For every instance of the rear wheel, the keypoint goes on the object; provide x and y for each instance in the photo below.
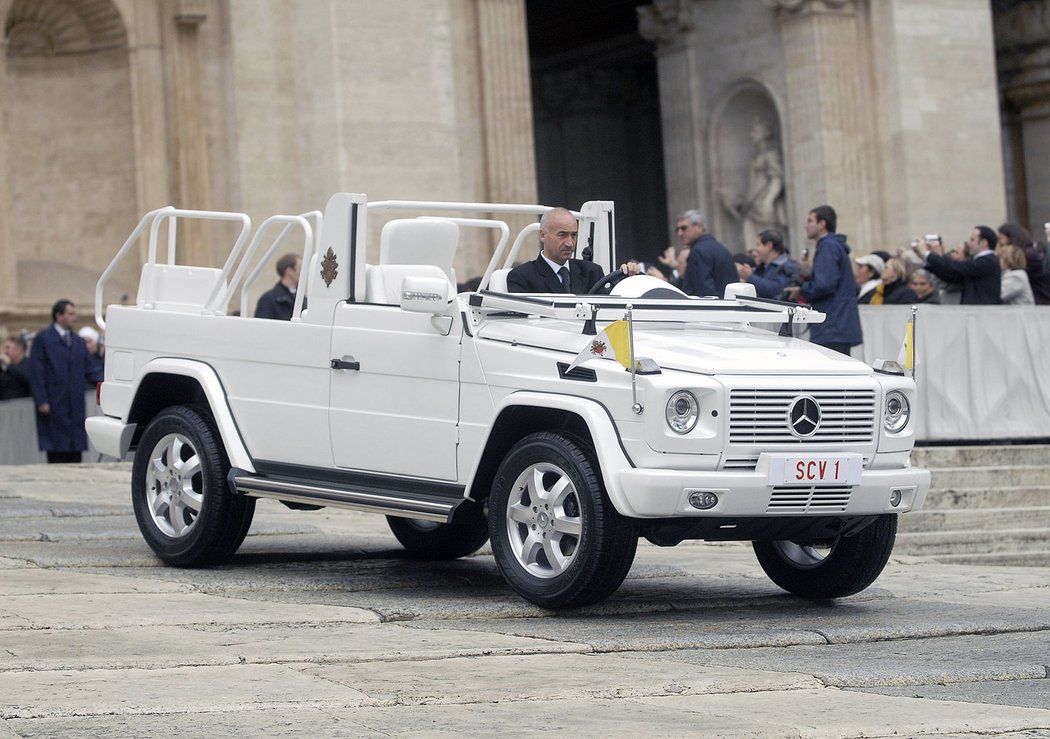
(555, 536)
(832, 568)
(467, 532)
(183, 506)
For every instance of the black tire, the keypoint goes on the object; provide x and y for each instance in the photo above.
(555, 536)
(185, 510)
(434, 541)
(833, 569)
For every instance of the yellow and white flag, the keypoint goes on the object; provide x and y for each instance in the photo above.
(906, 355)
(612, 343)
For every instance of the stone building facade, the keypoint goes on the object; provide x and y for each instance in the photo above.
(909, 116)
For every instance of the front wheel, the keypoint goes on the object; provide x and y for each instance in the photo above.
(555, 536)
(835, 568)
(184, 509)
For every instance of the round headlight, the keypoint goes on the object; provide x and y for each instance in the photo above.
(682, 411)
(898, 411)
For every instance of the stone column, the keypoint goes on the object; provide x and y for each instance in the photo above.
(148, 108)
(192, 177)
(506, 101)
(506, 97)
(670, 24)
(8, 263)
(829, 128)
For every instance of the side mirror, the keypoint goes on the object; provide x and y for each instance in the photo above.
(425, 295)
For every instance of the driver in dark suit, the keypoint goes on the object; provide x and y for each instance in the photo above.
(554, 270)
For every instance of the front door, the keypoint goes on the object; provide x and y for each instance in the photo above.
(395, 402)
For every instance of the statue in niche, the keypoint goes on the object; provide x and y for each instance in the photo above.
(762, 205)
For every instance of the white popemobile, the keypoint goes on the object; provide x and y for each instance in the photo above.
(460, 419)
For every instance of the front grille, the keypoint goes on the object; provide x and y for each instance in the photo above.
(761, 416)
(808, 500)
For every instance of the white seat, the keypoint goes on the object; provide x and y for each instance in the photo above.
(176, 287)
(420, 241)
(498, 281)
(383, 281)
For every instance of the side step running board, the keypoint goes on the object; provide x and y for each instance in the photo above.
(427, 508)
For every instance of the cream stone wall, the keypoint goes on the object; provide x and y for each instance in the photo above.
(939, 132)
(264, 106)
(887, 109)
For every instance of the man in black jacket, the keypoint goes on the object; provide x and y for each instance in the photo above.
(14, 370)
(710, 266)
(279, 301)
(980, 276)
(554, 270)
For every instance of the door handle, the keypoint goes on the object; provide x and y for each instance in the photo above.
(346, 364)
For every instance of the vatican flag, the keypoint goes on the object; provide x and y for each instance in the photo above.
(906, 355)
(612, 343)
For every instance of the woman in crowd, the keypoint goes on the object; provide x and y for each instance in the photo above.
(894, 289)
(1015, 288)
(1035, 256)
(921, 283)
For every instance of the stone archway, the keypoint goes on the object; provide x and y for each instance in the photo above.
(69, 165)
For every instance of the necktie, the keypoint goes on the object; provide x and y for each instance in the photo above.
(65, 339)
(563, 275)
(880, 291)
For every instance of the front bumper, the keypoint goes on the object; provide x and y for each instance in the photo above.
(657, 493)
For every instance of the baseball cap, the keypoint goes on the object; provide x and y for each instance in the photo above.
(872, 260)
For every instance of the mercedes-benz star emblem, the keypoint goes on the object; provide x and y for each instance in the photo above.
(804, 416)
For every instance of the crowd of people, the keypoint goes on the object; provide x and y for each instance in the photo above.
(55, 367)
(990, 268)
(1005, 266)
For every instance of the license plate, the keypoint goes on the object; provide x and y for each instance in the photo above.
(815, 469)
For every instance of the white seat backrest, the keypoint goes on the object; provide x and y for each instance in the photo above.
(383, 281)
(176, 287)
(498, 281)
(420, 241)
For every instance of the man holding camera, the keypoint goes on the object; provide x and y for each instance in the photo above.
(774, 270)
(979, 277)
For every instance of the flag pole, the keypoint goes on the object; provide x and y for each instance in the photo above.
(635, 405)
(914, 340)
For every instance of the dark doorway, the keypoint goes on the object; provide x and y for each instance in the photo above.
(596, 107)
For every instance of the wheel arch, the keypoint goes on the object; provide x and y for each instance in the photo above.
(525, 413)
(167, 382)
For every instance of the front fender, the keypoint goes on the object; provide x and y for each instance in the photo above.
(611, 455)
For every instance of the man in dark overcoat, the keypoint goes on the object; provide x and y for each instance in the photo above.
(59, 366)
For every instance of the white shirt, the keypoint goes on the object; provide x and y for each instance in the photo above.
(554, 265)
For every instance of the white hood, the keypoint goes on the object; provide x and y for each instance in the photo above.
(712, 351)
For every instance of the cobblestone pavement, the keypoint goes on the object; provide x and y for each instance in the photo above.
(320, 626)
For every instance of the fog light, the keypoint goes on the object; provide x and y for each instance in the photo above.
(703, 500)
(895, 498)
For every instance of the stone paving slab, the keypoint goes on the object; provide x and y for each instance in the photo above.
(39, 581)
(969, 659)
(787, 623)
(545, 677)
(828, 713)
(102, 611)
(1030, 693)
(177, 690)
(164, 646)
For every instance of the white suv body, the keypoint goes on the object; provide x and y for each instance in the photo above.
(454, 415)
